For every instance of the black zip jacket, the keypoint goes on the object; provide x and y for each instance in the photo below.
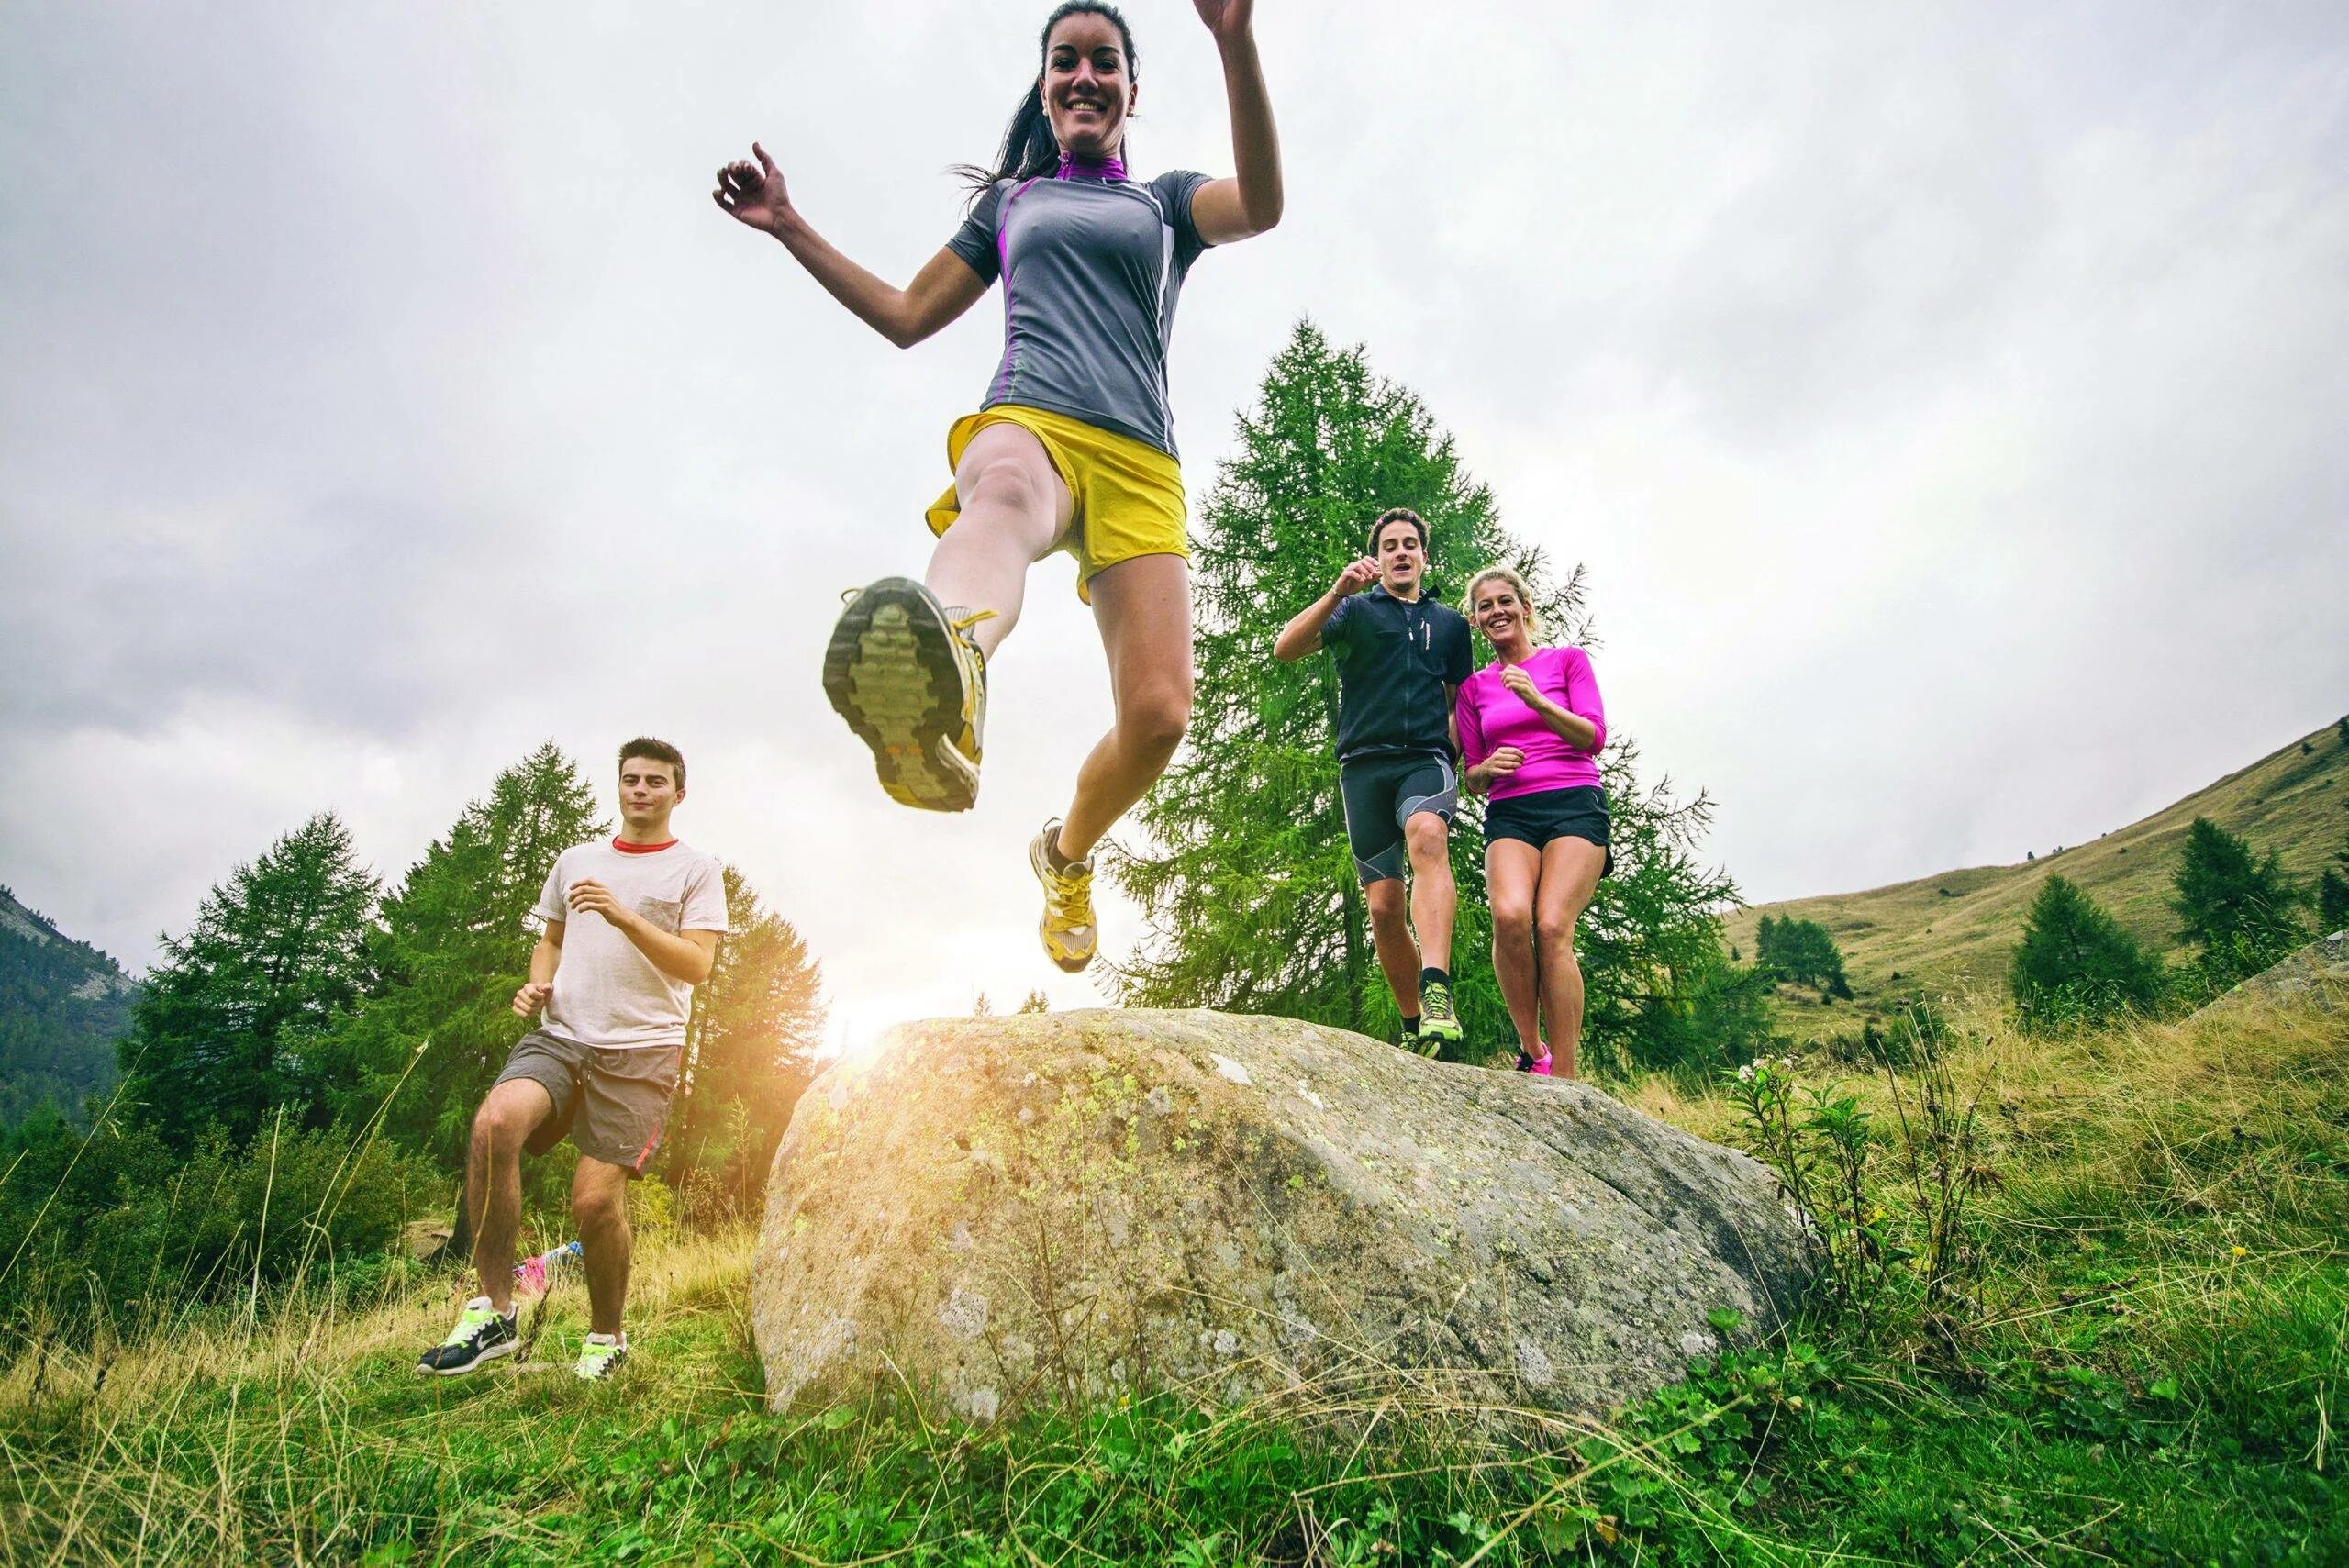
(1395, 662)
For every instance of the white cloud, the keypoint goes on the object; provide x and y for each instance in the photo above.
(1946, 403)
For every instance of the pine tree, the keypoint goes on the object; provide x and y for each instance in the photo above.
(232, 1023)
(2240, 911)
(1245, 876)
(1036, 1002)
(751, 1045)
(2332, 895)
(2076, 963)
(1801, 952)
(454, 945)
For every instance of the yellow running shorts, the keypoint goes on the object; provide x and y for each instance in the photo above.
(1128, 495)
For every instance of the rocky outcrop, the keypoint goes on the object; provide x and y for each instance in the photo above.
(988, 1212)
(2316, 974)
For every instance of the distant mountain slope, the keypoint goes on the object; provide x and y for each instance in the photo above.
(63, 1005)
(1957, 930)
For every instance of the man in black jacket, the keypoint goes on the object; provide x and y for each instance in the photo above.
(1401, 657)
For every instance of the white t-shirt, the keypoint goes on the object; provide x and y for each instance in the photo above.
(605, 992)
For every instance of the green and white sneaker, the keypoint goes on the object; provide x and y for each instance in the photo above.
(599, 1357)
(1439, 1025)
(912, 683)
(482, 1335)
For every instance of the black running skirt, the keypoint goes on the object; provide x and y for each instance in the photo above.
(1536, 819)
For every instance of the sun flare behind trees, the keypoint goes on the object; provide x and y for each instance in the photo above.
(1242, 866)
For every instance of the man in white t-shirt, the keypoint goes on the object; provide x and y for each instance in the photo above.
(631, 927)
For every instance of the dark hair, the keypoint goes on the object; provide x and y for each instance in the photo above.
(651, 750)
(1029, 148)
(1399, 514)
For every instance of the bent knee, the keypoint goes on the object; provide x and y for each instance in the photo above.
(597, 1210)
(1386, 898)
(499, 1126)
(1008, 483)
(1158, 720)
(1426, 835)
(1514, 921)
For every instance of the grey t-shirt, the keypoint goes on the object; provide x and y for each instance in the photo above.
(605, 992)
(1091, 269)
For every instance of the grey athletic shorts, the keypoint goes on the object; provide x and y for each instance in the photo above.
(614, 1103)
(1381, 793)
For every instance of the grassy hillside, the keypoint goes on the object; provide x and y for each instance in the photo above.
(1955, 931)
(2145, 1360)
(62, 1006)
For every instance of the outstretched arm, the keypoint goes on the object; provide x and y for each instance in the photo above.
(753, 192)
(1249, 203)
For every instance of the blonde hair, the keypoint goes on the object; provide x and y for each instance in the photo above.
(1507, 574)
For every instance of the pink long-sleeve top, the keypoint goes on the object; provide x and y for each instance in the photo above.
(1491, 716)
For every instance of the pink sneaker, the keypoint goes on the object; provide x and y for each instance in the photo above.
(1540, 1068)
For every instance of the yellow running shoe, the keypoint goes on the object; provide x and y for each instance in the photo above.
(1070, 936)
(913, 685)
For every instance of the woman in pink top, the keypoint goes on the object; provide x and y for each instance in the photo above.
(1530, 730)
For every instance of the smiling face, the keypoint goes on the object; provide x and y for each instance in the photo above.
(1402, 559)
(1087, 86)
(649, 792)
(1498, 611)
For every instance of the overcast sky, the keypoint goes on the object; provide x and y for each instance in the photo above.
(1949, 404)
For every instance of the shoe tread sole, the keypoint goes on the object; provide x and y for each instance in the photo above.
(890, 672)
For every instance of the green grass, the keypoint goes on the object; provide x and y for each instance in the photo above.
(1955, 932)
(2148, 1363)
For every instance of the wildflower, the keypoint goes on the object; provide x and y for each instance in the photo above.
(1746, 1074)
(2238, 1252)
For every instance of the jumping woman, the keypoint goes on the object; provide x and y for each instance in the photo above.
(1072, 447)
(1530, 730)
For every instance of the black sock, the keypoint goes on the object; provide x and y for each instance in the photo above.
(1059, 862)
(1433, 977)
(1411, 1023)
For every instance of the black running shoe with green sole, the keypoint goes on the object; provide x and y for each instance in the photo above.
(482, 1334)
(913, 686)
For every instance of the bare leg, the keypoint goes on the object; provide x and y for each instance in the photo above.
(1511, 870)
(1390, 932)
(599, 1207)
(1434, 899)
(1015, 510)
(1570, 869)
(510, 1113)
(1143, 608)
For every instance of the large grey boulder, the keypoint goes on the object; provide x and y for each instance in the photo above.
(988, 1212)
(2317, 975)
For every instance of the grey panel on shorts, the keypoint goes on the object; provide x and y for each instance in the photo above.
(1380, 794)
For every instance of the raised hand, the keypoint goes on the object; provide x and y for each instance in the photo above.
(1517, 680)
(532, 996)
(753, 192)
(1358, 575)
(589, 896)
(1227, 19)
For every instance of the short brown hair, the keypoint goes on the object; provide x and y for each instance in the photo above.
(652, 751)
(1399, 514)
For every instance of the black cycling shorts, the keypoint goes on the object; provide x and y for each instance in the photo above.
(1536, 819)
(1381, 793)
